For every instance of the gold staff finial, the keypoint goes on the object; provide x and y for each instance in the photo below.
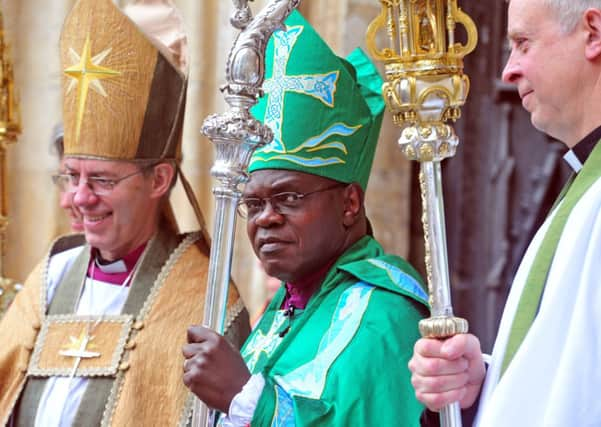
(425, 88)
(425, 85)
(10, 128)
(10, 120)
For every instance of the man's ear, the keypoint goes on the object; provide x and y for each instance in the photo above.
(162, 177)
(353, 203)
(592, 25)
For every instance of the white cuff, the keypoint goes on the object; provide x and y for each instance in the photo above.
(243, 404)
(487, 358)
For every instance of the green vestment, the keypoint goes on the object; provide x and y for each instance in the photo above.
(343, 361)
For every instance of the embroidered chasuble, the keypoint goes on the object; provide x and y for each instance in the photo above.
(552, 378)
(342, 360)
(132, 360)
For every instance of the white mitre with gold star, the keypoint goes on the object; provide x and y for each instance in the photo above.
(124, 92)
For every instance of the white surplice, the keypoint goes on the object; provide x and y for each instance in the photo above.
(554, 378)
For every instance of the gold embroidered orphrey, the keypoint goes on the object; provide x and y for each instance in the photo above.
(80, 357)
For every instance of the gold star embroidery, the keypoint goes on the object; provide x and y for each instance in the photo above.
(86, 73)
(79, 346)
(79, 349)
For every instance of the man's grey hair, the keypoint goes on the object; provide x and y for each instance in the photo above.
(569, 12)
(56, 142)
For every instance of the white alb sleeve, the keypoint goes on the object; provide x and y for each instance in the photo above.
(244, 403)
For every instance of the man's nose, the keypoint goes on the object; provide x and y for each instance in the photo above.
(268, 215)
(511, 72)
(83, 195)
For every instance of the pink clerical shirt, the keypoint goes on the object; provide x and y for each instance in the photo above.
(115, 272)
(299, 293)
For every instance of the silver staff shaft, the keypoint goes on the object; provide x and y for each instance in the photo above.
(442, 324)
(236, 134)
(226, 201)
(435, 239)
(221, 263)
(450, 415)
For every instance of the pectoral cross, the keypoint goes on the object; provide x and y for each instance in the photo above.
(78, 349)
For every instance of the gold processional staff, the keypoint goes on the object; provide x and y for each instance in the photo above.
(425, 88)
(10, 128)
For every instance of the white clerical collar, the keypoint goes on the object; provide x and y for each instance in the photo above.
(573, 160)
(113, 267)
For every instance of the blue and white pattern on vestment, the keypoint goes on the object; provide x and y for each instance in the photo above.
(309, 380)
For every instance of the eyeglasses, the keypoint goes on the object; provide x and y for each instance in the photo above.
(69, 182)
(285, 203)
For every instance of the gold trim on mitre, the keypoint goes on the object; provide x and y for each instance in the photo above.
(123, 98)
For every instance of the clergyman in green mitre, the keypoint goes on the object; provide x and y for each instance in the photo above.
(333, 345)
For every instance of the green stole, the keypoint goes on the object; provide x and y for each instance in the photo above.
(537, 277)
(65, 299)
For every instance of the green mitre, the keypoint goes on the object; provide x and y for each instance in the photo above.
(325, 111)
